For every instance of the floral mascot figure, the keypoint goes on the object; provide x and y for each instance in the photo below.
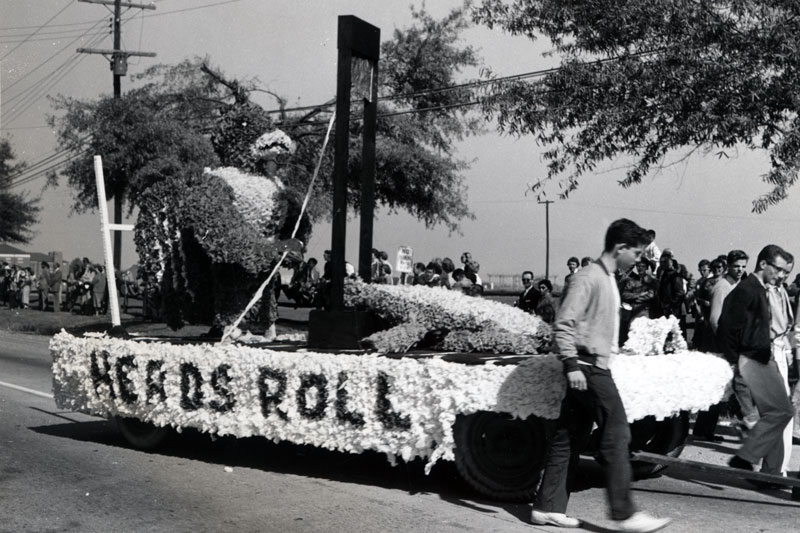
(211, 240)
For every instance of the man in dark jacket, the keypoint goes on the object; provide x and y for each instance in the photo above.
(529, 298)
(754, 330)
(671, 291)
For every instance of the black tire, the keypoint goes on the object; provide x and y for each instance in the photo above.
(664, 437)
(141, 435)
(499, 456)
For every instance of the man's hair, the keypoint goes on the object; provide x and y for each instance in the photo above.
(651, 234)
(574, 259)
(458, 273)
(586, 261)
(448, 265)
(627, 232)
(45, 264)
(527, 272)
(736, 255)
(435, 267)
(546, 283)
(703, 262)
(312, 259)
(384, 256)
(771, 252)
(717, 263)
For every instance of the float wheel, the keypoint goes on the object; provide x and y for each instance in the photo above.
(141, 435)
(499, 456)
(665, 437)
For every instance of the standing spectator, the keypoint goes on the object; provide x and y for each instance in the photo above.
(98, 289)
(529, 298)
(326, 268)
(697, 304)
(44, 287)
(586, 261)
(56, 283)
(737, 263)
(13, 288)
(585, 333)
(25, 280)
(753, 330)
(706, 424)
(573, 264)
(546, 306)
(671, 291)
(637, 291)
(651, 251)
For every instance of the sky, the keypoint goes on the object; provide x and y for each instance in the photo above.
(699, 207)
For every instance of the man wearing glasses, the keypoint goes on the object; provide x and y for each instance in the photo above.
(754, 330)
(530, 296)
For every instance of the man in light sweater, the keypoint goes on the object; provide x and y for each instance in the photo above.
(586, 333)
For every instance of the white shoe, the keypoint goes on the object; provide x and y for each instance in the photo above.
(642, 523)
(540, 518)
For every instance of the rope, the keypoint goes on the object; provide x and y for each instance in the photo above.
(260, 291)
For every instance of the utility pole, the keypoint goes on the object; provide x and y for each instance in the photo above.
(119, 67)
(547, 236)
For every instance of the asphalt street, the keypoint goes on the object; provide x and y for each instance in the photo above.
(69, 472)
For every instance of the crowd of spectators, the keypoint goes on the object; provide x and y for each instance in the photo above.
(79, 287)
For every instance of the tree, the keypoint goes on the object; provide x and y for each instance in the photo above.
(640, 79)
(19, 212)
(139, 142)
(195, 106)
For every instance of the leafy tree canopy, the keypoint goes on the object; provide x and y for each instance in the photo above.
(643, 78)
(193, 113)
(18, 212)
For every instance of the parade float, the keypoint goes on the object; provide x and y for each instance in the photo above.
(410, 372)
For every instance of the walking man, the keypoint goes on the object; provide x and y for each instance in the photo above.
(586, 335)
(754, 327)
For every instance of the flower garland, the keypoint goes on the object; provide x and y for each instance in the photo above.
(416, 310)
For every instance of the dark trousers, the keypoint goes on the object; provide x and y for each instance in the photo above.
(601, 404)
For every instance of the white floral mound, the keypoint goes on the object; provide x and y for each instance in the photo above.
(401, 407)
(672, 378)
(471, 324)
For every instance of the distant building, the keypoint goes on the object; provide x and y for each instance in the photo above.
(14, 256)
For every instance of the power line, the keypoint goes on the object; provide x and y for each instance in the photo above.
(69, 3)
(40, 65)
(52, 79)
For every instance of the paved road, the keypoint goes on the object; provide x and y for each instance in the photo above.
(69, 472)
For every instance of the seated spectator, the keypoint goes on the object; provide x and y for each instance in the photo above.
(433, 273)
(461, 282)
(419, 274)
(384, 275)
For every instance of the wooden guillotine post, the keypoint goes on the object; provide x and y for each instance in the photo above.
(359, 51)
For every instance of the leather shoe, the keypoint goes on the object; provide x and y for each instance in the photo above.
(642, 523)
(540, 518)
(741, 464)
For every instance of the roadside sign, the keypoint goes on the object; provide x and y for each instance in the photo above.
(405, 260)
